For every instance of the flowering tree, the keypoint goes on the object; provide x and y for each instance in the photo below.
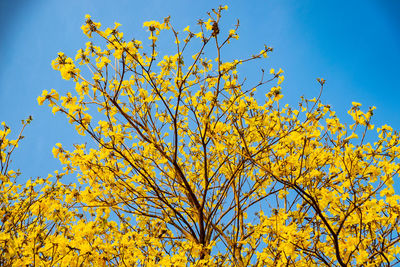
(183, 165)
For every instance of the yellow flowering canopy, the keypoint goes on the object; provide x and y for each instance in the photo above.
(184, 165)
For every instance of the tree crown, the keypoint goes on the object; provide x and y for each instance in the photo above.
(184, 164)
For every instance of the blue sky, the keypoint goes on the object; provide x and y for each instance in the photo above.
(354, 45)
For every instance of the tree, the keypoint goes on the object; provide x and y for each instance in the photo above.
(182, 165)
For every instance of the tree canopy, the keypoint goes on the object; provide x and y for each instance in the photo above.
(186, 163)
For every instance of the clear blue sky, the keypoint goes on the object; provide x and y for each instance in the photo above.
(354, 45)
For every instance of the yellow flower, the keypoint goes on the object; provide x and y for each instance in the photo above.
(208, 24)
(280, 79)
(48, 96)
(41, 99)
(352, 136)
(199, 34)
